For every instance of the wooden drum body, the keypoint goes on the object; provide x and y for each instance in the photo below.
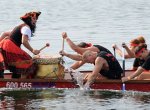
(51, 67)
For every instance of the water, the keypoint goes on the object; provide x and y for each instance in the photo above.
(73, 99)
(97, 21)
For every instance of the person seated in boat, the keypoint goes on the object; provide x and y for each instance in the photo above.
(130, 51)
(81, 48)
(144, 54)
(137, 61)
(105, 64)
(14, 58)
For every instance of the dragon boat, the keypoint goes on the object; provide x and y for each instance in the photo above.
(51, 75)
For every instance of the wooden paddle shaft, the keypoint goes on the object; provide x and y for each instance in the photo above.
(63, 44)
(123, 60)
(47, 45)
(114, 52)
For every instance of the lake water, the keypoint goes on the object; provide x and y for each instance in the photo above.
(73, 99)
(101, 22)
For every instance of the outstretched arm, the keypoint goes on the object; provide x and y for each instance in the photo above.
(99, 62)
(72, 56)
(77, 64)
(72, 45)
(132, 76)
(119, 51)
(130, 53)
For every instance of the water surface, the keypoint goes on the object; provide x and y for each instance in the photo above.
(73, 99)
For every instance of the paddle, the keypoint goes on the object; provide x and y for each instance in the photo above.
(63, 44)
(123, 58)
(70, 70)
(123, 65)
(114, 52)
(63, 49)
(47, 45)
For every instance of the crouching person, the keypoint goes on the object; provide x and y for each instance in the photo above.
(105, 64)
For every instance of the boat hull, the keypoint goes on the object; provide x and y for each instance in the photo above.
(133, 85)
(140, 85)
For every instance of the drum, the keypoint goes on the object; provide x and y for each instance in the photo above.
(50, 67)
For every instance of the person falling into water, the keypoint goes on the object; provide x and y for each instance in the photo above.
(11, 53)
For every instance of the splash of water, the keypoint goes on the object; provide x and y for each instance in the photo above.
(79, 77)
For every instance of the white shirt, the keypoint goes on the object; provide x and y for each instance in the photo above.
(25, 30)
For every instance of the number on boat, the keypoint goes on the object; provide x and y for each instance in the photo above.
(18, 85)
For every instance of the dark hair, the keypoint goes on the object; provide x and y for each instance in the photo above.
(140, 47)
(28, 21)
(135, 41)
(84, 44)
(141, 39)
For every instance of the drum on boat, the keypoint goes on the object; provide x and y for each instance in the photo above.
(50, 67)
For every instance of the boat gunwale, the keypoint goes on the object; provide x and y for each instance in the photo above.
(70, 81)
